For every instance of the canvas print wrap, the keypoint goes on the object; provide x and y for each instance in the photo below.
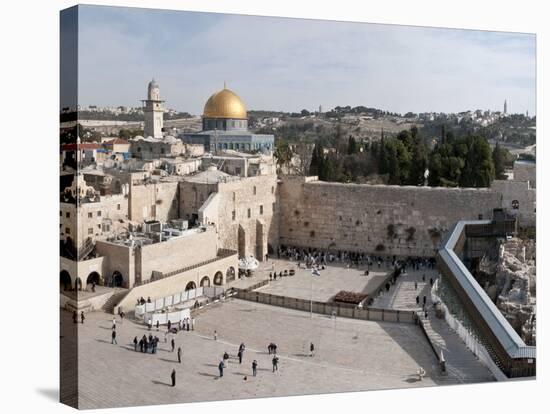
(262, 206)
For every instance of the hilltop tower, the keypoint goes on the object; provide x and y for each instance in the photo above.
(153, 110)
(505, 107)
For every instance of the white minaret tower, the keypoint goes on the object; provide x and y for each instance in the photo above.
(153, 110)
(505, 107)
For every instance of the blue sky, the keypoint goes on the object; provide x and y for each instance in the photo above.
(290, 64)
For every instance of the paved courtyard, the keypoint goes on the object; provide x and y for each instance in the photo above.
(351, 355)
(334, 278)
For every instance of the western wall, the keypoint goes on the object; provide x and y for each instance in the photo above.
(380, 219)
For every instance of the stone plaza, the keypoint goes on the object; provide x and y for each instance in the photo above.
(350, 355)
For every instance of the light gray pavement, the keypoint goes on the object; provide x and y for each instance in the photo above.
(351, 355)
(334, 278)
(461, 363)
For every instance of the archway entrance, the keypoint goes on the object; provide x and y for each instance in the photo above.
(65, 280)
(205, 281)
(230, 274)
(190, 286)
(93, 278)
(218, 278)
(117, 279)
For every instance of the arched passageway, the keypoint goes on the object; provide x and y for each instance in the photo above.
(205, 281)
(230, 274)
(190, 286)
(65, 280)
(117, 279)
(93, 278)
(218, 278)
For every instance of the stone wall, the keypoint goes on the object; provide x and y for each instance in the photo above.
(379, 219)
(519, 199)
(117, 258)
(247, 219)
(154, 201)
(177, 283)
(177, 253)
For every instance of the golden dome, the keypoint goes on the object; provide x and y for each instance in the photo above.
(225, 104)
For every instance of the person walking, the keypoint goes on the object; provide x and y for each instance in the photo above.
(121, 316)
(415, 285)
(75, 317)
(173, 342)
(431, 281)
(275, 362)
(215, 335)
(82, 317)
(179, 354)
(173, 377)
(114, 323)
(311, 349)
(240, 355)
(135, 343)
(254, 368)
(113, 338)
(424, 300)
(169, 325)
(418, 300)
(220, 368)
(158, 325)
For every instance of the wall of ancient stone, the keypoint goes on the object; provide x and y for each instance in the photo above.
(388, 220)
(177, 253)
(246, 221)
(519, 199)
(154, 201)
(118, 258)
(177, 283)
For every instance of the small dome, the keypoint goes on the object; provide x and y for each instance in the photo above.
(225, 104)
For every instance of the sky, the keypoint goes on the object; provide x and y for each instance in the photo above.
(287, 64)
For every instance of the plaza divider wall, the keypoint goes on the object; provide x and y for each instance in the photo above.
(326, 308)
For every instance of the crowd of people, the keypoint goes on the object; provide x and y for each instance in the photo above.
(312, 256)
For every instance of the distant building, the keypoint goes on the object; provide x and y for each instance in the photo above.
(153, 110)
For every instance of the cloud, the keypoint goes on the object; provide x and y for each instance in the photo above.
(290, 64)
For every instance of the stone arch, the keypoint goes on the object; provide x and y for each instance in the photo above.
(218, 278)
(230, 274)
(205, 281)
(93, 278)
(65, 280)
(78, 284)
(117, 280)
(190, 286)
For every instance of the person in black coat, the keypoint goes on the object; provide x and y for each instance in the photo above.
(173, 377)
(179, 354)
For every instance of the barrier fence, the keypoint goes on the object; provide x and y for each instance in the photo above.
(178, 298)
(326, 308)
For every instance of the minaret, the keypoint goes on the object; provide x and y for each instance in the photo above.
(505, 107)
(153, 110)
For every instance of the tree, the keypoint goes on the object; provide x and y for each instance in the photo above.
(352, 145)
(303, 155)
(283, 154)
(499, 161)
